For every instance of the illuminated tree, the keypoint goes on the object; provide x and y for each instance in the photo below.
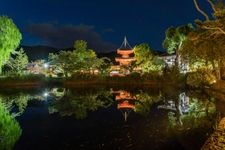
(174, 39)
(10, 38)
(105, 66)
(86, 58)
(63, 62)
(81, 59)
(146, 60)
(206, 43)
(19, 62)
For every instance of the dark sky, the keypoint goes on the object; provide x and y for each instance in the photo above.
(103, 23)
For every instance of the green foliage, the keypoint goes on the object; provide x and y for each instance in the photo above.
(10, 38)
(175, 37)
(18, 63)
(10, 130)
(104, 66)
(172, 74)
(17, 78)
(80, 59)
(199, 64)
(146, 60)
(63, 62)
(207, 41)
(143, 53)
(80, 45)
(200, 78)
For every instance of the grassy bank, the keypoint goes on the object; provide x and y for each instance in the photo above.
(157, 81)
(29, 81)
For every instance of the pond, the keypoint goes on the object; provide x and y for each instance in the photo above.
(106, 118)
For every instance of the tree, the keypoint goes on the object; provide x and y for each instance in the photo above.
(19, 62)
(86, 58)
(81, 59)
(10, 38)
(63, 62)
(145, 59)
(105, 66)
(206, 43)
(175, 38)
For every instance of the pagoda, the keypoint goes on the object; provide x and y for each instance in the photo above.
(125, 55)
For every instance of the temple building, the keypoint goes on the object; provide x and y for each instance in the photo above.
(124, 59)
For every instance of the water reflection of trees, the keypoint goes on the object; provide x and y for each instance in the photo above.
(10, 130)
(145, 102)
(192, 110)
(12, 105)
(78, 103)
(17, 102)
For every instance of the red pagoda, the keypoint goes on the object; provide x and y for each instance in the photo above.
(125, 57)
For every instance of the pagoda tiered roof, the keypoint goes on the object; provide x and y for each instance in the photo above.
(125, 104)
(125, 52)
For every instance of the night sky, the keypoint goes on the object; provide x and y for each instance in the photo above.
(102, 23)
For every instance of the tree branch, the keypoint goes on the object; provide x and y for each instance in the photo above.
(212, 5)
(201, 11)
(214, 28)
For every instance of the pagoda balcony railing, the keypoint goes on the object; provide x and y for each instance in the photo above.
(120, 59)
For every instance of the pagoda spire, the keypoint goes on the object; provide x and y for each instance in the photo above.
(125, 41)
(125, 44)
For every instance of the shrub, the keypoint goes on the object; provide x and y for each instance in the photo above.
(200, 78)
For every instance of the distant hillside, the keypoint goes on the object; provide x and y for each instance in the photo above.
(38, 52)
(41, 52)
(110, 55)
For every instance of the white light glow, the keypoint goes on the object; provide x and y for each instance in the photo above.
(46, 65)
(45, 94)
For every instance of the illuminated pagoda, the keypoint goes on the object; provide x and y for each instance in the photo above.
(125, 56)
(125, 102)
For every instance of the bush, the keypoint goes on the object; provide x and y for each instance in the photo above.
(151, 76)
(200, 78)
(134, 75)
(83, 76)
(22, 78)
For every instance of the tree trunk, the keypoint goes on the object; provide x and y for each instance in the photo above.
(220, 68)
(215, 69)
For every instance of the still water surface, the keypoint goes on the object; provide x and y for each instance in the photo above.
(106, 118)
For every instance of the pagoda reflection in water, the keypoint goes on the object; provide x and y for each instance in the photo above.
(125, 102)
